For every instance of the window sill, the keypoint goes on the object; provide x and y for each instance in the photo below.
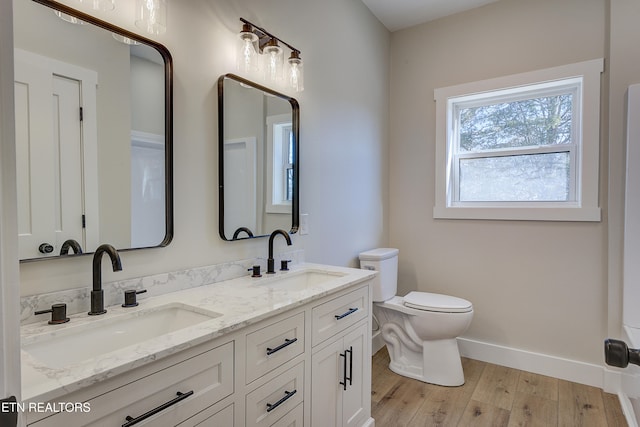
(541, 213)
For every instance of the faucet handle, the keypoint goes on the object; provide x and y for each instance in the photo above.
(284, 264)
(130, 297)
(58, 314)
(255, 271)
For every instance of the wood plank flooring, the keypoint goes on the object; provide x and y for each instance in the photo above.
(492, 396)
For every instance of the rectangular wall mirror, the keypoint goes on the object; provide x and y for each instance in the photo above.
(93, 133)
(258, 159)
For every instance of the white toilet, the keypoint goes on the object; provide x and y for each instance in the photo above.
(420, 329)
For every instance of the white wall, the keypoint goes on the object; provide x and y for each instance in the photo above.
(535, 286)
(344, 132)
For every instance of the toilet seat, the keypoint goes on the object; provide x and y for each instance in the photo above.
(437, 302)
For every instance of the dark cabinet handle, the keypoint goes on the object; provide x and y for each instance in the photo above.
(346, 377)
(287, 396)
(345, 314)
(350, 377)
(181, 396)
(343, 383)
(287, 342)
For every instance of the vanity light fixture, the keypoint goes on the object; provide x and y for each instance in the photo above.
(259, 53)
(151, 16)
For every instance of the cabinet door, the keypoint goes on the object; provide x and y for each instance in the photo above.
(327, 370)
(355, 398)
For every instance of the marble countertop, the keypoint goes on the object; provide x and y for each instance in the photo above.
(241, 302)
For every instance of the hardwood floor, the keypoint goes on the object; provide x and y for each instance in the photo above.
(492, 396)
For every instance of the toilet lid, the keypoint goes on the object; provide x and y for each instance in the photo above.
(436, 302)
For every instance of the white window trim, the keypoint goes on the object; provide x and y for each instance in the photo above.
(584, 208)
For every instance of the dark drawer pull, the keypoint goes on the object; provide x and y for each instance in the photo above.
(350, 311)
(287, 396)
(181, 396)
(286, 342)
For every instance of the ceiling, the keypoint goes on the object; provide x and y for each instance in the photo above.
(399, 14)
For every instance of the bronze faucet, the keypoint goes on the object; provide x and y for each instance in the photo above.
(97, 294)
(270, 261)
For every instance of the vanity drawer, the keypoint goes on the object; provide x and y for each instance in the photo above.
(273, 345)
(267, 404)
(201, 380)
(338, 314)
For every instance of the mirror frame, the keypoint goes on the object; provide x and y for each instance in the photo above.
(295, 116)
(168, 117)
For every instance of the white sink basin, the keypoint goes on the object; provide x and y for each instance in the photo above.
(74, 345)
(301, 280)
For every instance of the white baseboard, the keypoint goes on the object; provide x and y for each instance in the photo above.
(543, 364)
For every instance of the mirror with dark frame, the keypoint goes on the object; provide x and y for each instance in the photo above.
(93, 134)
(258, 159)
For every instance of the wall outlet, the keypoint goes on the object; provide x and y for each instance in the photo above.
(304, 224)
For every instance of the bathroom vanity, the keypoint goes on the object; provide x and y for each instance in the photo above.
(286, 349)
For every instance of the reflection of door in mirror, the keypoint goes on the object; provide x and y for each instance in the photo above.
(55, 154)
(240, 176)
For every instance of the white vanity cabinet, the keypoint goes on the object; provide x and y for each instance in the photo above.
(306, 366)
(341, 364)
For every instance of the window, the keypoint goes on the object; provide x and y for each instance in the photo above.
(522, 147)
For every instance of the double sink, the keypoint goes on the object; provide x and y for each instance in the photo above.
(71, 345)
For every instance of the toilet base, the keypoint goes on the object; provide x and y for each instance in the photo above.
(438, 363)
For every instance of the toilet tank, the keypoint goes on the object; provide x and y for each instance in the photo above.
(385, 262)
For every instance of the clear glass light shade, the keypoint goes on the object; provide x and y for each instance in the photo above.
(295, 72)
(151, 16)
(273, 60)
(246, 55)
(104, 5)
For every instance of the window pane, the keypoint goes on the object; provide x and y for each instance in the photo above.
(525, 123)
(533, 177)
(289, 185)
